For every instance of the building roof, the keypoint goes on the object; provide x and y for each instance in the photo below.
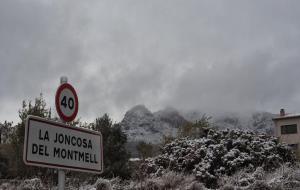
(286, 116)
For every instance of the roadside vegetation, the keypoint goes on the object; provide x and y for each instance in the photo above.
(116, 160)
(199, 157)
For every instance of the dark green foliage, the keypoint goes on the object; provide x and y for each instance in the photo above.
(196, 129)
(37, 109)
(3, 166)
(5, 132)
(167, 139)
(145, 149)
(17, 139)
(115, 155)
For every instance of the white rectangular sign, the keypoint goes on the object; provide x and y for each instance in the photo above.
(56, 145)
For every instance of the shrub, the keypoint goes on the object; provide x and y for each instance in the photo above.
(102, 184)
(3, 166)
(31, 184)
(220, 153)
(259, 185)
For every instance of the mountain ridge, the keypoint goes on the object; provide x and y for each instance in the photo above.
(140, 124)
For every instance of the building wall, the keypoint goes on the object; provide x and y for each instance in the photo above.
(288, 138)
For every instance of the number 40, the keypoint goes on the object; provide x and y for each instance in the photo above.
(69, 103)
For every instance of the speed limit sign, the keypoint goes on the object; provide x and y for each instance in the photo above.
(66, 102)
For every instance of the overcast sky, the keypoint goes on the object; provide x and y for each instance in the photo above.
(212, 56)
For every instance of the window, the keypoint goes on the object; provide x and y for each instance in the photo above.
(288, 129)
(294, 146)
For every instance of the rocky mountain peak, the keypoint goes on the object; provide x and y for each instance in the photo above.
(140, 124)
(138, 111)
(172, 116)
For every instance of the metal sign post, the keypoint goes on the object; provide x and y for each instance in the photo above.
(61, 173)
(61, 179)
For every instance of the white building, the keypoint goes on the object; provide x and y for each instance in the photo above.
(287, 129)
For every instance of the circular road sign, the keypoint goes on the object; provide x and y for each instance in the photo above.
(66, 102)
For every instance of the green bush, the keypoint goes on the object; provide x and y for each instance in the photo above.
(116, 157)
(3, 166)
(145, 149)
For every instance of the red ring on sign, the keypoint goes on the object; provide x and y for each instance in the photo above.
(60, 113)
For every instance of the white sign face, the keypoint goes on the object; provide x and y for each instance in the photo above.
(66, 102)
(55, 145)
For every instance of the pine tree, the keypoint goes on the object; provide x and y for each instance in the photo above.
(145, 149)
(116, 157)
(5, 132)
(17, 139)
(196, 129)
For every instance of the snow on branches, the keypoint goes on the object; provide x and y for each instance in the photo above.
(218, 154)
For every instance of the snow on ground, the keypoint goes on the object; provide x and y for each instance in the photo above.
(228, 159)
(284, 178)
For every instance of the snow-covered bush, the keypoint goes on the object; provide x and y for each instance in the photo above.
(259, 185)
(118, 184)
(31, 184)
(220, 153)
(102, 184)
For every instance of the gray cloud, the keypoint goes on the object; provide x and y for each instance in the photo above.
(212, 56)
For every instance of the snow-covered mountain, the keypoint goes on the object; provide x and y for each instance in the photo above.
(140, 124)
(259, 122)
